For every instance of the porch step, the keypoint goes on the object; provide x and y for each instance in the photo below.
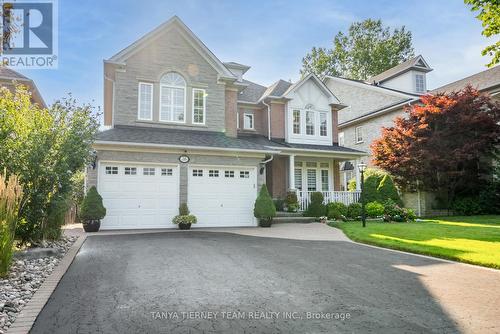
(295, 219)
(288, 214)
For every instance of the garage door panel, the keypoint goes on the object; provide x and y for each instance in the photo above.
(139, 201)
(222, 201)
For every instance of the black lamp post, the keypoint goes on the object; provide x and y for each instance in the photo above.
(362, 168)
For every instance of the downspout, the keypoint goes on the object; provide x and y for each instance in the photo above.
(263, 163)
(268, 120)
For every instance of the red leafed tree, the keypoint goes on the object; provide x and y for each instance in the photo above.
(446, 143)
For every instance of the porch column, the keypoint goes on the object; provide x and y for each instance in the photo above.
(358, 175)
(291, 172)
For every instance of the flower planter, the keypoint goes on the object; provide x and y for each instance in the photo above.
(184, 226)
(92, 225)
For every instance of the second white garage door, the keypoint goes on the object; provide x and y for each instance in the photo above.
(222, 196)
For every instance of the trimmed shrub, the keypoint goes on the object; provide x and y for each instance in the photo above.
(264, 208)
(336, 210)
(92, 208)
(489, 198)
(292, 202)
(316, 207)
(393, 212)
(10, 196)
(354, 210)
(467, 206)
(183, 209)
(279, 204)
(55, 218)
(374, 209)
(387, 190)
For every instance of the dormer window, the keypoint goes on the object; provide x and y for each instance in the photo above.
(419, 83)
(172, 98)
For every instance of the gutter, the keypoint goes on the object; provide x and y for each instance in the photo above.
(184, 147)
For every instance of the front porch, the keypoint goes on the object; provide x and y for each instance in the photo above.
(306, 173)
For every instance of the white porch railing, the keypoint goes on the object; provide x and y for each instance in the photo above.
(346, 197)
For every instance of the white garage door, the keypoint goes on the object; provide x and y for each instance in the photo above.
(138, 196)
(222, 196)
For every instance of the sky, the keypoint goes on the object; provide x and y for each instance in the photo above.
(270, 36)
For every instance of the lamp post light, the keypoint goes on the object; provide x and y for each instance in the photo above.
(362, 168)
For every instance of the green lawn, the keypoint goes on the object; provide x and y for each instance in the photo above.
(474, 239)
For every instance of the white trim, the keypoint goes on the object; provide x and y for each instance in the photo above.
(204, 106)
(118, 143)
(253, 121)
(356, 137)
(304, 152)
(162, 85)
(139, 101)
(322, 86)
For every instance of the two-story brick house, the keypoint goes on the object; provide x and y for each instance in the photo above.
(188, 128)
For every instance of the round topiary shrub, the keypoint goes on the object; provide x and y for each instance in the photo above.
(336, 210)
(316, 208)
(92, 207)
(374, 209)
(264, 209)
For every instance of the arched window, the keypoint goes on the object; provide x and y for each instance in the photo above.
(172, 98)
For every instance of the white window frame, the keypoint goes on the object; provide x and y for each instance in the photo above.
(293, 121)
(139, 96)
(253, 121)
(341, 139)
(312, 117)
(319, 166)
(356, 135)
(149, 171)
(204, 105)
(172, 87)
(323, 114)
(417, 76)
(237, 119)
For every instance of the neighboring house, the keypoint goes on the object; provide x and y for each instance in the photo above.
(10, 78)
(375, 103)
(188, 128)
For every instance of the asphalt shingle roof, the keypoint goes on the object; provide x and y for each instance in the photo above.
(481, 81)
(8, 73)
(252, 93)
(195, 138)
(278, 144)
(395, 70)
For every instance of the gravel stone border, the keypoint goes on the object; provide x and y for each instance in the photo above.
(31, 282)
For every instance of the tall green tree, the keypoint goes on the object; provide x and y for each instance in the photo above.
(45, 148)
(489, 14)
(366, 50)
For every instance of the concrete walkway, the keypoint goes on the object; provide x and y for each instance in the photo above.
(294, 231)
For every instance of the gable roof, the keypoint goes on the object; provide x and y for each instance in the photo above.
(366, 85)
(197, 44)
(416, 63)
(277, 89)
(11, 76)
(311, 76)
(482, 81)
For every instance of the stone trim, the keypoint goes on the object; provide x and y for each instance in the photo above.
(26, 318)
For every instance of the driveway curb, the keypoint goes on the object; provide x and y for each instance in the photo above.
(28, 315)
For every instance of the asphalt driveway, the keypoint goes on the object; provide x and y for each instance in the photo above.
(210, 282)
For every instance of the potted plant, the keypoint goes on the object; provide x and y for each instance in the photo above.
(92, 211)
(264, 209)
(323, 219)
(292, 202)
(184, 220)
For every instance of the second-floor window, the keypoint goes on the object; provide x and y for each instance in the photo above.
(172, 98)
(323, 130)
(341, 139)
(145, 110)
(310, 123)
(419, 83)
(296, 122)
(359, 134)
(198, 106)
